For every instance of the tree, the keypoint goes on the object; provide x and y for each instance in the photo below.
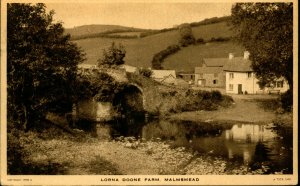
(159, 57)
(97, 85)
(266, 31)
(41, 65)
(186, 35)
(113, 56)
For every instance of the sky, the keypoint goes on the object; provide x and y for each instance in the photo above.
(139, 15)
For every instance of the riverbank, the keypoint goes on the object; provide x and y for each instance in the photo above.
(123, 156)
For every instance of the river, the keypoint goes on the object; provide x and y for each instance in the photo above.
(255, 145)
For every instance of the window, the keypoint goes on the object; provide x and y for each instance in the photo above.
(201, 75)
(230, 86)
(279, 84)
(231, 76)
(215, 81)
(215, 74)
(249, 74)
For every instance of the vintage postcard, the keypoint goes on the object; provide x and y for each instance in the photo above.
(161, 92)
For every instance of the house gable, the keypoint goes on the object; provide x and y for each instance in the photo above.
(211, 73)
(166, 76)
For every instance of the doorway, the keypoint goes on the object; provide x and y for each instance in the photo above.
(240, 89)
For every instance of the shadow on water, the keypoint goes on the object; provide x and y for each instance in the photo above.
(129, 125)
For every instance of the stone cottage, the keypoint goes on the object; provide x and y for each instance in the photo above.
(211, 73)
(241, 79)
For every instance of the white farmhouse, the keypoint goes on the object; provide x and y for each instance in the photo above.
(240, 78)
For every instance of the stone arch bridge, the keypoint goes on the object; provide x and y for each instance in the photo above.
(131, 99)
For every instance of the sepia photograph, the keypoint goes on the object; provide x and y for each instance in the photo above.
(139, 92)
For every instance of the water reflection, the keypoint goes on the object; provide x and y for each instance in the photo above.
(242, 140)
(247, 133)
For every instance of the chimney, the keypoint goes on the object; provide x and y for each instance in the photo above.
(246, 55)
(231, 56)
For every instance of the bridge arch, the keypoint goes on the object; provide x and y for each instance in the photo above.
(130, 99)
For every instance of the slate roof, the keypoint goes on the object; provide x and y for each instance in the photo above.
(238, 64)
(211, 66)
(208, 70)
(218, 65)
(215, 62)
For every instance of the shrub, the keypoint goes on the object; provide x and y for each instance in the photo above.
(192, 100)
(206, 95)
(226, 101)
(153, 32)
(216, 95)
(145, 72)
(200, 41)
(186, 41)
(220, 39)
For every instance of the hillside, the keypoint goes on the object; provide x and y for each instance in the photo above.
(140, 51)
(86, 30)
(190, 57)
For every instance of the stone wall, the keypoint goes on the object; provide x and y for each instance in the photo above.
(212, 80)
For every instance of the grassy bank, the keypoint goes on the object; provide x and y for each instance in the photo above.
(259, 109)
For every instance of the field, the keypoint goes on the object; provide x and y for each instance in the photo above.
(190, 57)
(140, 51)
(212, 30)
(126, 34)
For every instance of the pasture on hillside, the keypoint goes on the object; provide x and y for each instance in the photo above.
(125, 34)
(140, 51)
(206, 32)
(192, 56)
